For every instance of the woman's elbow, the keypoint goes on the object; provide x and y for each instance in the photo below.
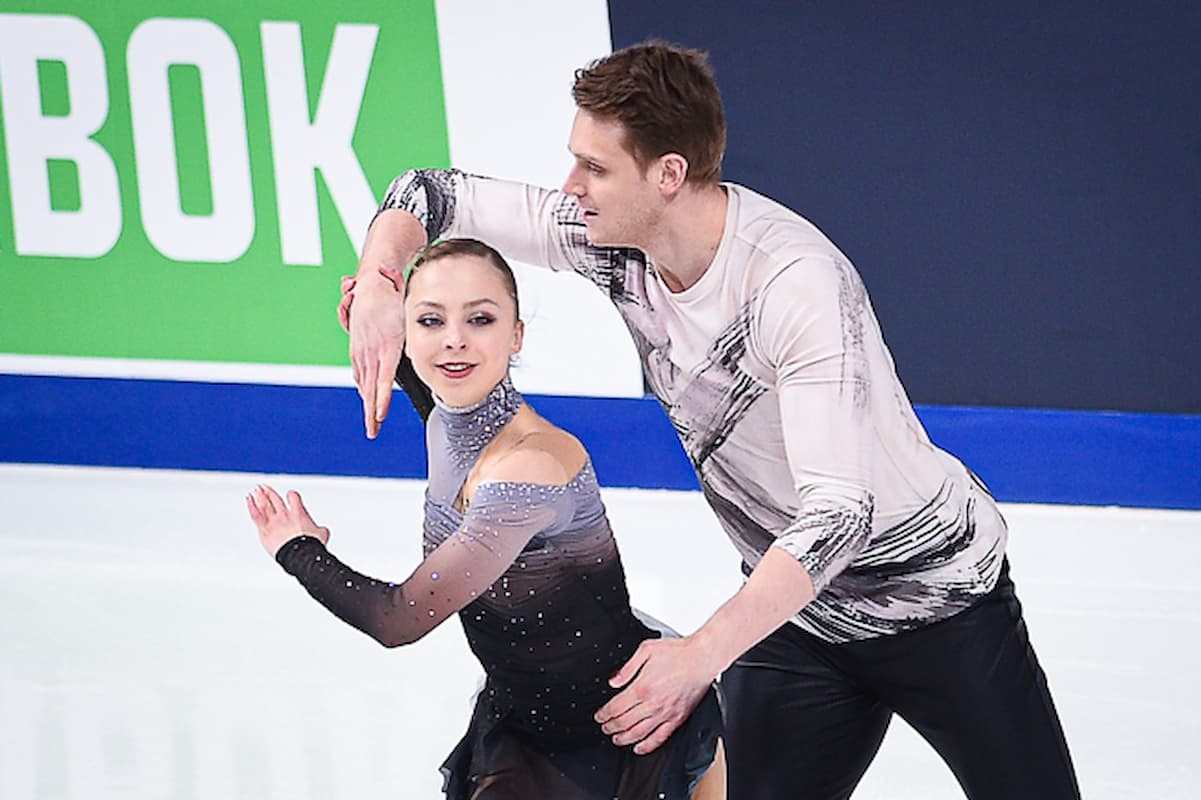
(393, 639)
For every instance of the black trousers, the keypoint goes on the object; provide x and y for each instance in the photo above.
(805, 718)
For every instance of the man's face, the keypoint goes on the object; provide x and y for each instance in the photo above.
(621, 205)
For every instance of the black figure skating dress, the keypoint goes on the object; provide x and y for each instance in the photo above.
(538, 577)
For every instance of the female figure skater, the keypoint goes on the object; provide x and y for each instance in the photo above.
(516, 540)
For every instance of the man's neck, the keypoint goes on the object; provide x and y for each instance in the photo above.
(688, 236)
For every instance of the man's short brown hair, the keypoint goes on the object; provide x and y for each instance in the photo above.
(666, 98)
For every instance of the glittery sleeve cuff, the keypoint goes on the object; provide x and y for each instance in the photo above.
(297, 550)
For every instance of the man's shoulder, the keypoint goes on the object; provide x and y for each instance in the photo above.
(767, 221)
(770, 237)
(759, 204)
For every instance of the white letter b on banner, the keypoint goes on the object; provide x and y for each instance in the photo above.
(33, 139)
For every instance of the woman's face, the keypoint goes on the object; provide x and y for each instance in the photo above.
(461, 327)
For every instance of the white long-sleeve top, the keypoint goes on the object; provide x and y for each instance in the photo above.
(774, 372)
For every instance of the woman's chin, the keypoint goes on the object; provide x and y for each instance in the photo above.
(463, 392)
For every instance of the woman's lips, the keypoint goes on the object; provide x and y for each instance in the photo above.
(456, 370)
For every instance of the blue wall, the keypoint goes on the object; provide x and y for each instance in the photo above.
(1025, 455)
(1018, 182)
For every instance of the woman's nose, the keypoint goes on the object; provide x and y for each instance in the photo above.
(454, 338)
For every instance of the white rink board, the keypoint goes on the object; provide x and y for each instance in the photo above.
(151, 649)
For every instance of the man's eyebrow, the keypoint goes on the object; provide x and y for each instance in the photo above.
(584, 157)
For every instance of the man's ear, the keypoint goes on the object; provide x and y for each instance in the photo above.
(673, 172)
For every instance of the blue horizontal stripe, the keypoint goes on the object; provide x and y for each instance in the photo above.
(1024, 455)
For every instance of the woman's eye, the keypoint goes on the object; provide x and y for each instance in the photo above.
(429, 322)
(481, 319)
(595, 169)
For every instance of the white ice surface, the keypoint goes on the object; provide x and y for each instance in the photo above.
(149, 649)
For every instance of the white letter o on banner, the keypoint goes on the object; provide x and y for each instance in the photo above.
(226, 233)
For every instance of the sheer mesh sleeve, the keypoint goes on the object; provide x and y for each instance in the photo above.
(502, 519)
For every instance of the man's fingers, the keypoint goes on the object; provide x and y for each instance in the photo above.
(358, 363)
(389, 360)
(394, 275)
(656, 739)
(631, 668)
(383, 396)
(368, 377)
(370, 426)
(630, 720)
(376, 338)
(367, 382)
(637, 732)
(619, 704)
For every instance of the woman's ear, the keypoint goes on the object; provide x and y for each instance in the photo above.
(518, 336)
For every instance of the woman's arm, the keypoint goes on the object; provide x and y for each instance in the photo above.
(471, 559)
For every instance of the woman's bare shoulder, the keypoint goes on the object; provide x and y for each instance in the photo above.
(545, 454)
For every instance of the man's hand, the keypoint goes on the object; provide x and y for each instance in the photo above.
(664, 680)
(372, 312)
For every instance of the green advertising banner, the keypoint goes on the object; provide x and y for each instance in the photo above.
(189, 184)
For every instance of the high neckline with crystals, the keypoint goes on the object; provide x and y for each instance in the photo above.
(469, 429)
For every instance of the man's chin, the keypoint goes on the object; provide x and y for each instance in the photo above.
(599, 239)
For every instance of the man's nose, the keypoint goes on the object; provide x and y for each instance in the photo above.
(573, 184)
